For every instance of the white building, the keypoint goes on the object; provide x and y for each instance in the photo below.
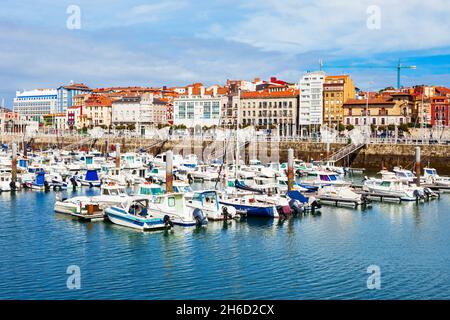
(199, 106)
(311, 99)
(35, 103)
(144, 112)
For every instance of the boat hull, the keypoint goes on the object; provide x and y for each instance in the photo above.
(134, 222)
(253, 211)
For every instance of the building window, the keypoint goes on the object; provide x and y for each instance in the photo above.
(207, 110)
(190, 110)
(215, 109)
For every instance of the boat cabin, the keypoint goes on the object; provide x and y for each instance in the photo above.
(112, 190)
(150, 189)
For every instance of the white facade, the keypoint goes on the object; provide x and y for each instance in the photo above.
(198, 110)
(35, 103)
(143, 112)
(311, 98)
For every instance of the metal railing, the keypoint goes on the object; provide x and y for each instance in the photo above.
(84, 138)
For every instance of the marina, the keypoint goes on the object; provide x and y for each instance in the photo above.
(309, 218)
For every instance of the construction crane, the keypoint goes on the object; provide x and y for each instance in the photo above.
(399, 67)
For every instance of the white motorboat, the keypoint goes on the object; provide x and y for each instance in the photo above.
(431, 177)
(137, 213)
(282, 183)
(393, 187)
(83, 208)
(5, 182)
(208, 202)
(340, 196)
(110, 195)
(405, 176)
(205, 173)
(175, 206)
(324, 178)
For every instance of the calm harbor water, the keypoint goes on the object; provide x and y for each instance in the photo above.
(313, 257)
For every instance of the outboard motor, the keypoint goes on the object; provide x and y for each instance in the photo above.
(190, 178)
(418, 195)
(314, 204)
(365, 200)
(46, 186)
(225, 213)
(429, 193)
(199, 217)
(296, 207)
(167, 221)
(74, 183)
(12, 185)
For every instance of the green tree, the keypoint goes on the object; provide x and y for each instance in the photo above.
(403, 127)
(340, 127)
(350, 127)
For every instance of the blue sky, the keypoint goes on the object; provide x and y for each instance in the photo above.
(176, 42)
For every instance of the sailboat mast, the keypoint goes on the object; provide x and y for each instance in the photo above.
(236, 133)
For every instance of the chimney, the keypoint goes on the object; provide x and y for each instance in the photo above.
(189, 91)
(214, 91)
(202, 91)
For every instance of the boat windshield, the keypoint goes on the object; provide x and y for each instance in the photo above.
(386, 184)
(182, 189)
(151, 191)
(138, 208)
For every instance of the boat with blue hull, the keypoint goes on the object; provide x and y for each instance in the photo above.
(135, 213)
(249, 206)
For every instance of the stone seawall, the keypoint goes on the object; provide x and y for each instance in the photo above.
(372, 157)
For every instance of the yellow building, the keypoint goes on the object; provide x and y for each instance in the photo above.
(396, 109)
(336, 91)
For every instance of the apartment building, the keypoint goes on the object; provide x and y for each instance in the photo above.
(269, 109)
(310, 113)
(36, 103)
(336, 91)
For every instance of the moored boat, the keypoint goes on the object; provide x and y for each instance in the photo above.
(135, 213)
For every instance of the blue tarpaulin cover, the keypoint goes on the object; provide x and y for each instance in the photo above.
(91, 175)
(40, 178)
(297, 196)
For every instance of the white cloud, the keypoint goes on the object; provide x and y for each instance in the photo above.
(153, 12)
(295, 27)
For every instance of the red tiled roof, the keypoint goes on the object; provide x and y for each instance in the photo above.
(442, 90)
(77, 86)
(289, 93)
(98, 100)
(372, 101)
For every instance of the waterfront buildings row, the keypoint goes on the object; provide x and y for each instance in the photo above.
(290, 108)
